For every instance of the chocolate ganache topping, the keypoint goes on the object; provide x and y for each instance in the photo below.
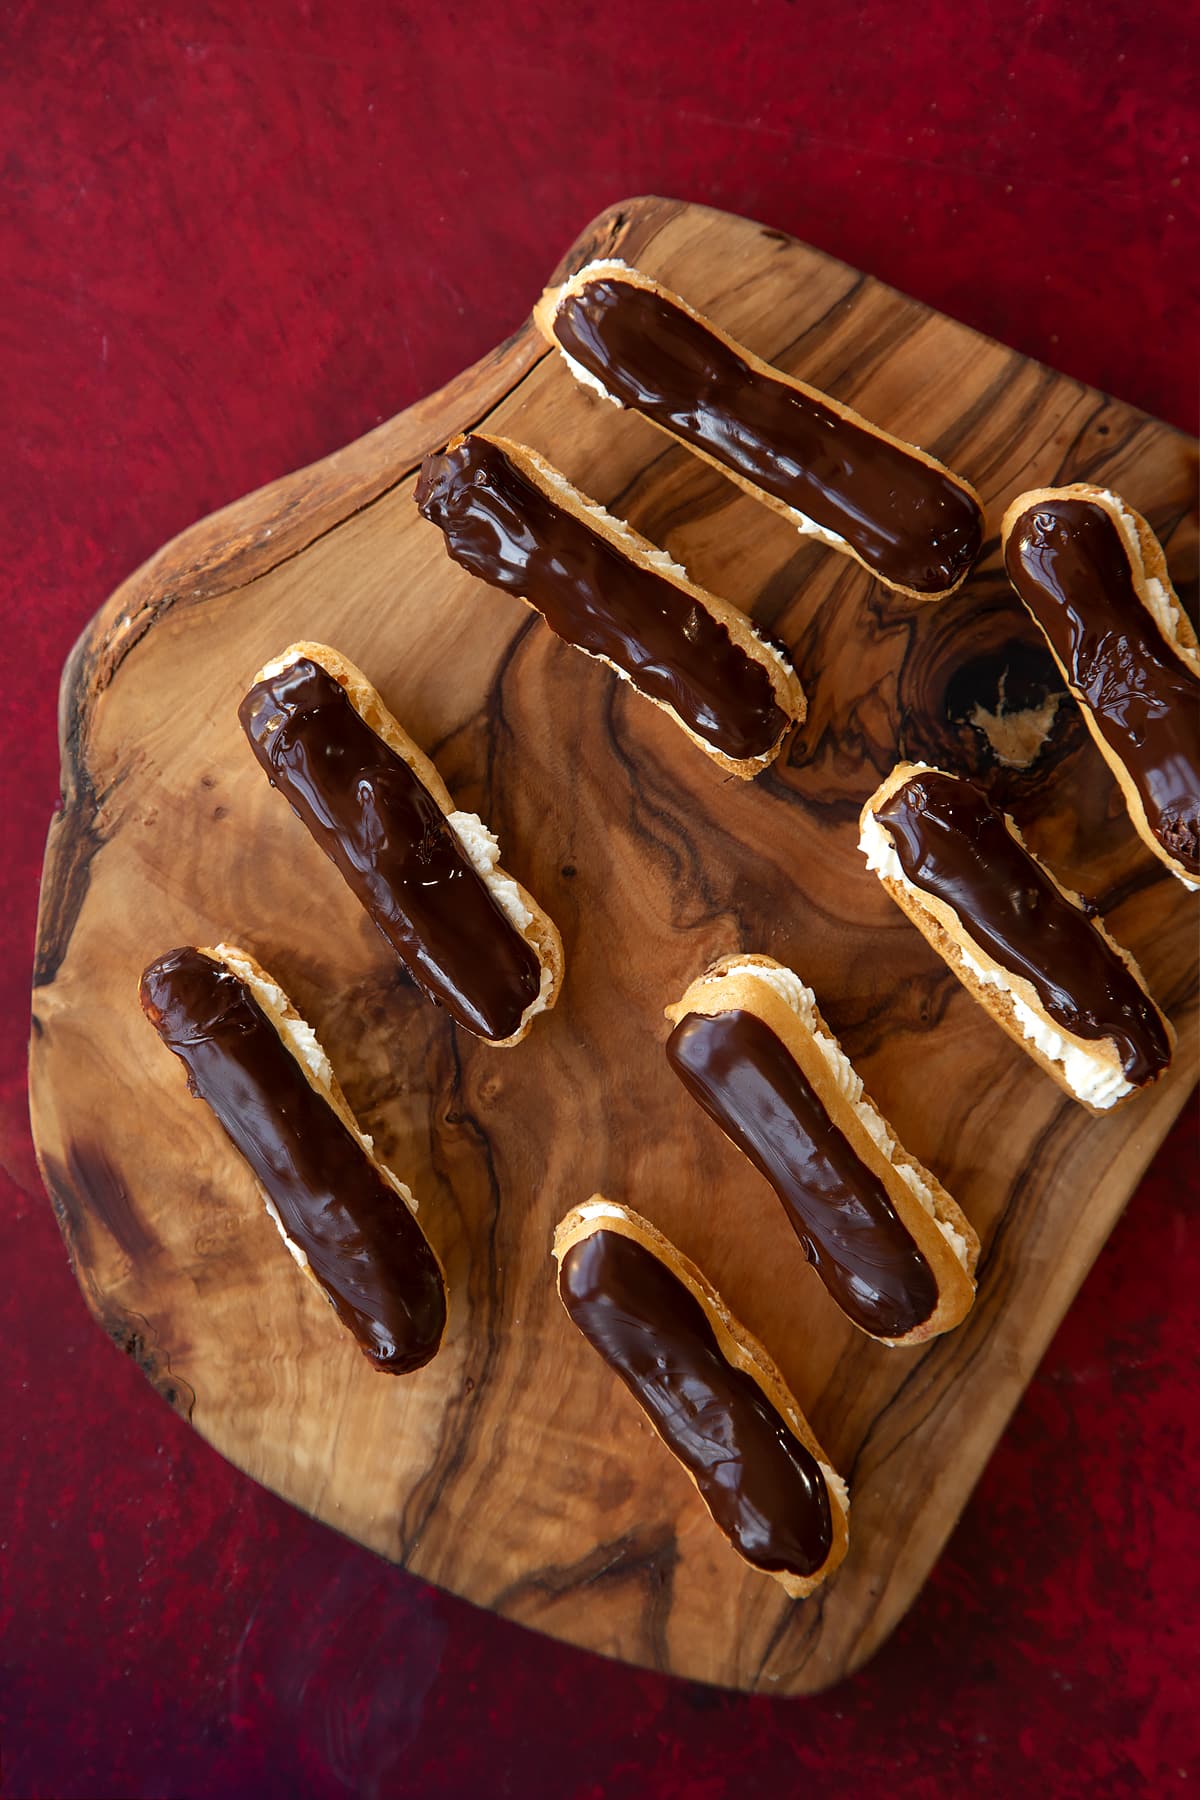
(748, 1081)
(1069, 564)
(762, 1486)
(362, 1243)
(389, 839)
(501, 526)
(912, 524)
(952, 843)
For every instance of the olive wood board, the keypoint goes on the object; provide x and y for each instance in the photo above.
(514, 1469)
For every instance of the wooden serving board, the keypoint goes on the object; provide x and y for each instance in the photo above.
(514, 1470)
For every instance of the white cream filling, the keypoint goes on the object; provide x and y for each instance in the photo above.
(809, 528)
(554, 478)
(1163, 609)
(586, 379)
(276, 666)
(1166, 612)
(602, 265)
(836, 1485)
(1161, 605)
(788, 985)
(297, 1033)
(302, 1041)
(640, 550)
(610, 265)
(293, 1247)
(1089, 1075)
(482, 851)
(598, 1209)
(1099, 1084)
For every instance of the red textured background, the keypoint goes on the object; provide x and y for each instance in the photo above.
(233, 238)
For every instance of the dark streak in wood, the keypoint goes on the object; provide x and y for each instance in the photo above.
(71, 1195)
(649, 1566)
(483, 1305)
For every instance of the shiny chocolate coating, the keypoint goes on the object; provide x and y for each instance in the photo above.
(501, 526)
(763, 1487)
(362, 1243)
(388, 837)
(1069, 564)
(749, 1082)
(953, 844)
(912, 524)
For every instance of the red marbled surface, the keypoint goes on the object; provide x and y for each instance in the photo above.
(233, 238)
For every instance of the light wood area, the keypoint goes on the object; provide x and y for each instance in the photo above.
(514, 1470)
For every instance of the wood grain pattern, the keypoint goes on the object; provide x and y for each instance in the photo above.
(513, 1470)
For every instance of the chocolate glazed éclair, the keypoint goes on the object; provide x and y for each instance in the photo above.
(389, 839)
(910, 523)
(362, 1243)
(1068, 562)
(952, 843)
(747, 1080)
(501, 526)
(763, 1487)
